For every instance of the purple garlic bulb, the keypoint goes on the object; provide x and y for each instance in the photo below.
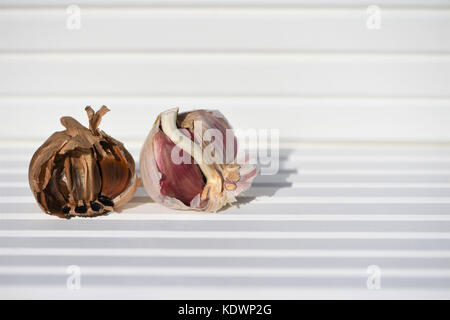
(188, 161)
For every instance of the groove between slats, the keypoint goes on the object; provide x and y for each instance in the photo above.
(305, 172)
(297, 185)
(243, 207)
(223, 234)
(133, 252)
(301, 166)
(229, 217)
(226, 243)
(284, 179)
(22, 160)
(298, 226)
(287, 262)
(287, 147)
(286, 200)
(285, 190)
(224, 272)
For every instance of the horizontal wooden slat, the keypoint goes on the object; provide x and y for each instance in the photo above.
(195, 216)
(75, 241)
(126, 283)
(246, 206)
(298, 192)
(222, 277)
(289, 262)
(45, 291)
(314, 167)
(219, 225)
(409, 152)
(310, 69)
(200, 272)
(267, 199)
(335, 119)
(225, 30)
(325, 220)
(230, 75)
(221, 3)
(232, 253)
(282, 179)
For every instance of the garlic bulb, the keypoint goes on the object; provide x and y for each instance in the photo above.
(206, 176)
(82, 172)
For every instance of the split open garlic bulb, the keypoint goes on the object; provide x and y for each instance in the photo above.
(188, 161)
(82, 172)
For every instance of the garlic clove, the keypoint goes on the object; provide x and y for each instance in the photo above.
(182, 181)
(115, 173)
(82, 172)
(151, 175)
(224, 181)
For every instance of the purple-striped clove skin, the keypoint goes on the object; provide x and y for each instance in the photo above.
(82, 172)
(208, 177)
(181, 181)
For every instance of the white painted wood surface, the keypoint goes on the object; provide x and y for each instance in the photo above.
(308, 232)
(329, 76)
(319, 75)
(222, 3)
(316, 119)
(226, 30)
(364, 122)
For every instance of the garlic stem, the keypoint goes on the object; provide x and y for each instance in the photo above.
(169, 127)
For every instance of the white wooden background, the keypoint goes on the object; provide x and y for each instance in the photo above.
(316, 60)
(364, 121)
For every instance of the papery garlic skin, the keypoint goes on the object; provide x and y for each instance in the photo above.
(220, 182)
(82, 172)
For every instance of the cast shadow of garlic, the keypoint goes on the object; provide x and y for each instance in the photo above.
(269, 185)
(140, 198)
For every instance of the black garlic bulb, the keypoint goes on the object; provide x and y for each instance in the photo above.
(82, 172)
